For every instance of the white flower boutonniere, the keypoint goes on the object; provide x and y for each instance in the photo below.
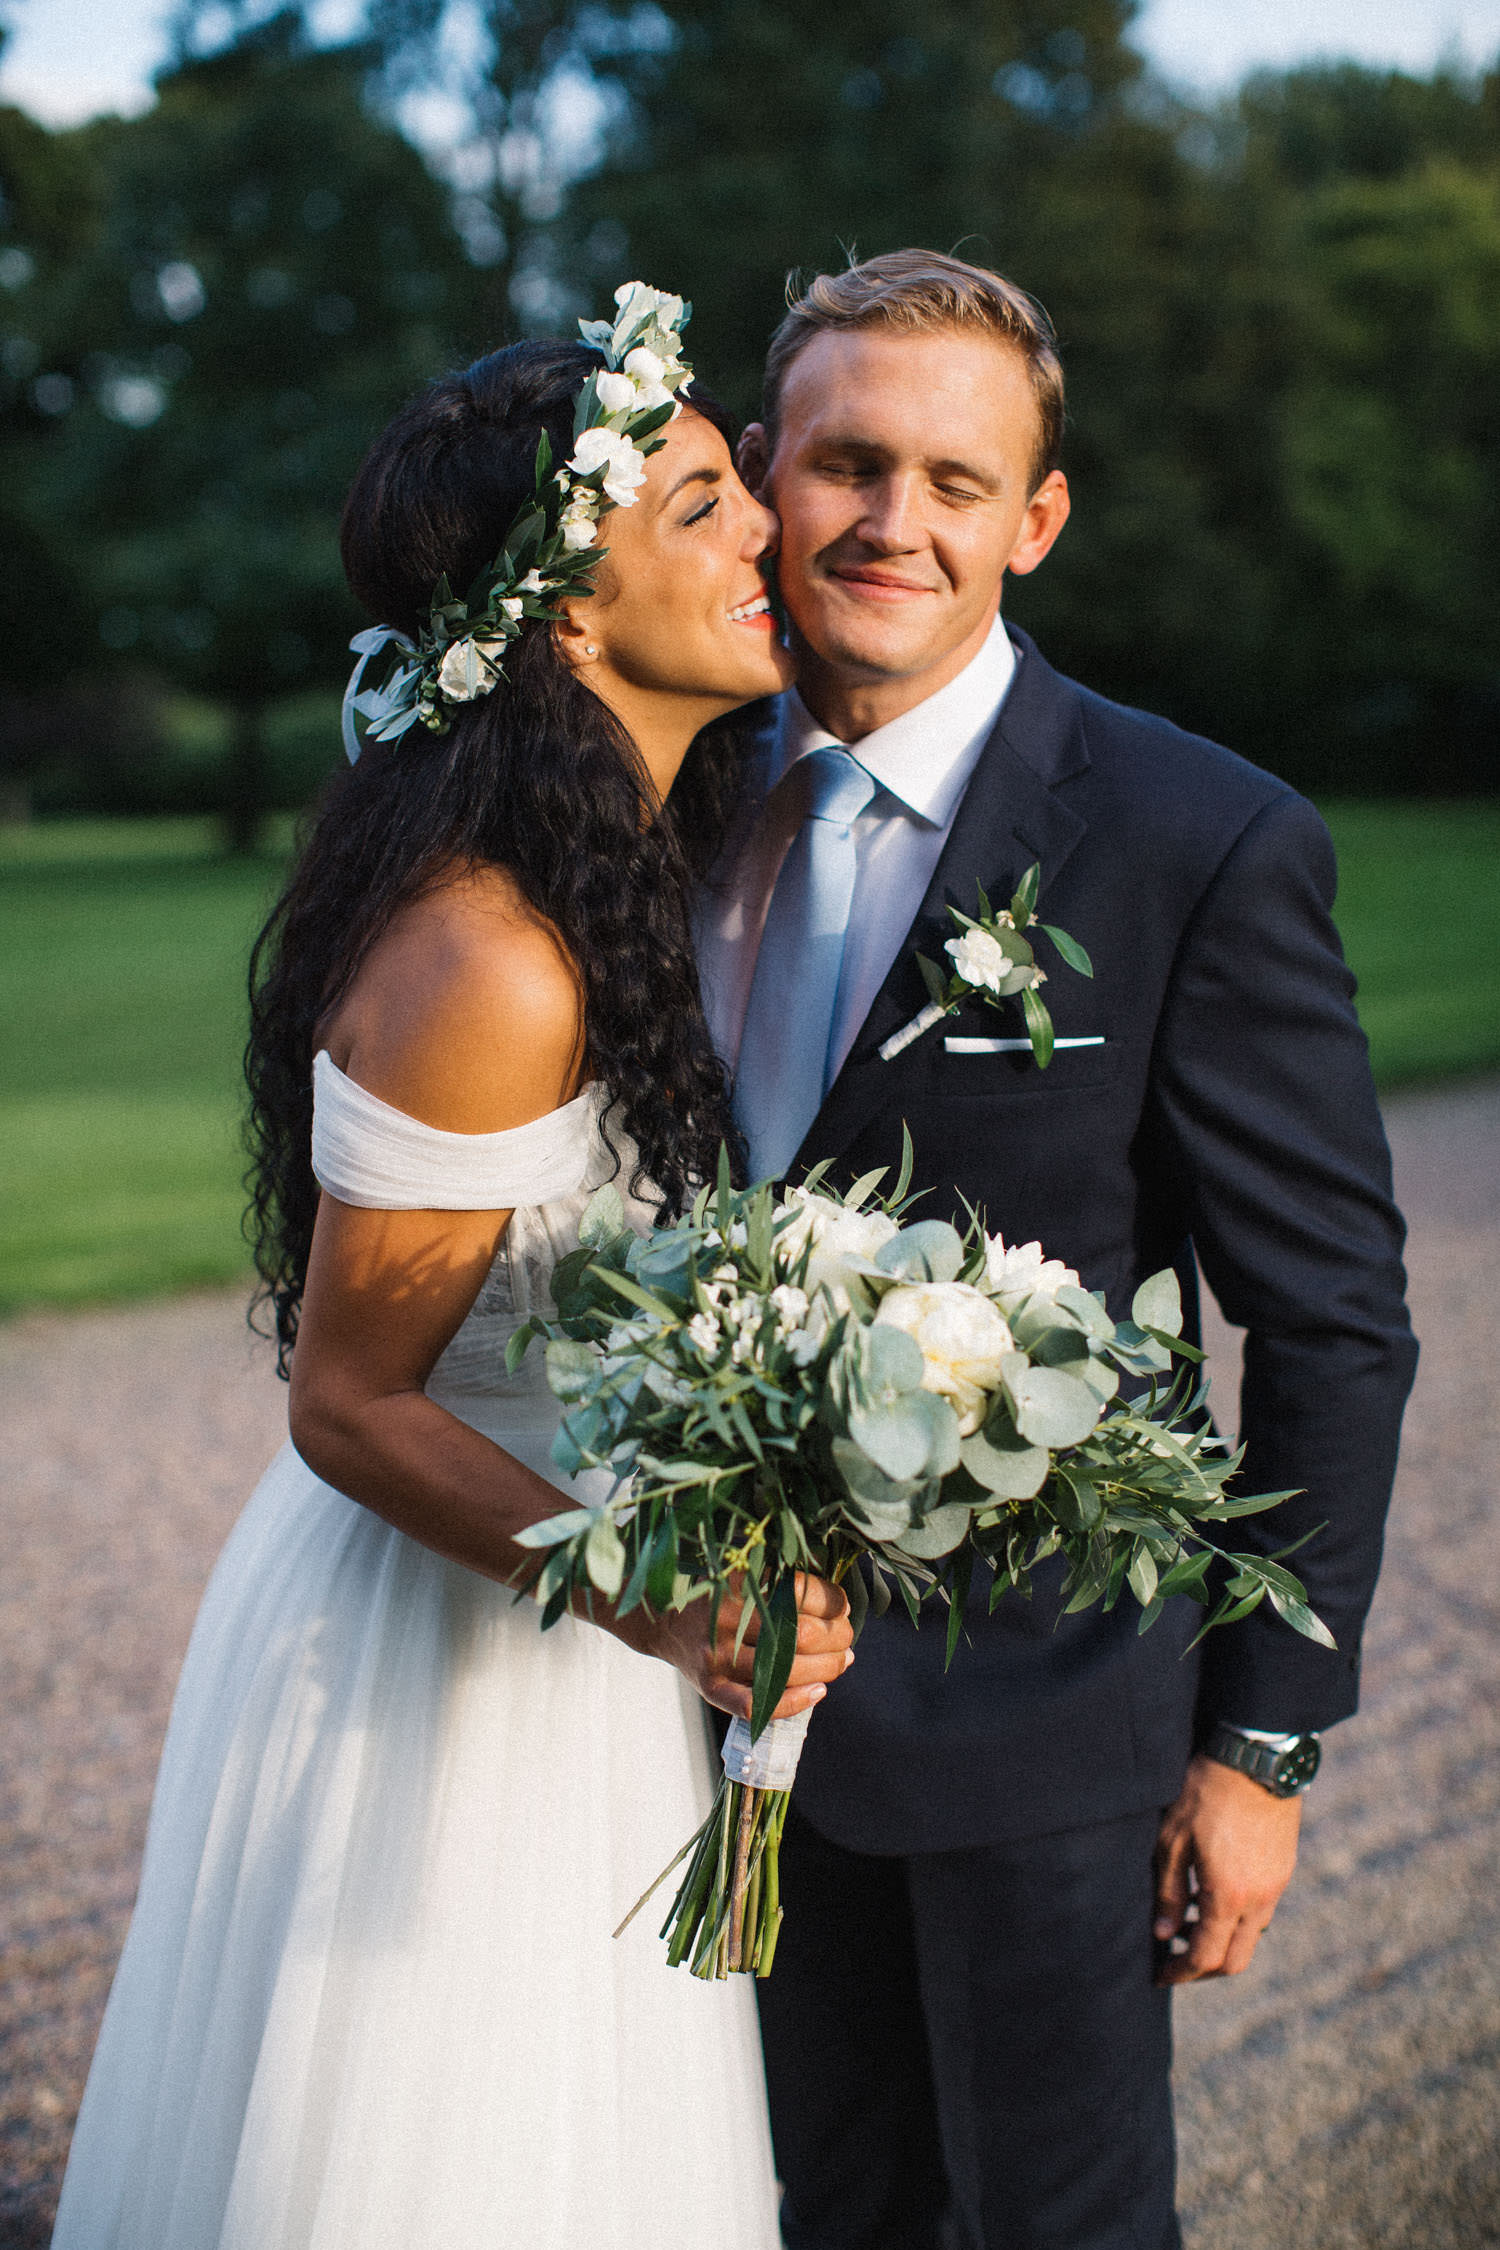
(994, 960)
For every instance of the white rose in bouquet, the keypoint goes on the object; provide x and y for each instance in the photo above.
(841, 1240)
(1019, 1274)
(962, 1337)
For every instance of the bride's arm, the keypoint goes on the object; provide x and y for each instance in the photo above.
(467, 1016)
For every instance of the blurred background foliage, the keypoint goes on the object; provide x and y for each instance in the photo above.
(1278, 317)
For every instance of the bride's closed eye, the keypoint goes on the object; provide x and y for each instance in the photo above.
(699, 514)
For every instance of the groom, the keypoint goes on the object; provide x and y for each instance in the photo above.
(987, 1871)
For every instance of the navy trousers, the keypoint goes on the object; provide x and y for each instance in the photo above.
(966, 2050)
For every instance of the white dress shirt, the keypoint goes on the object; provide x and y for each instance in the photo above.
(922, 763)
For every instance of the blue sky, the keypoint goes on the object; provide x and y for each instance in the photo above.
(69, 59)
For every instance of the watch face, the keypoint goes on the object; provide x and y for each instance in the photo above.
(1298, 1763)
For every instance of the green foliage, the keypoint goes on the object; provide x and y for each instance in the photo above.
(1274, 316)
(122, 947)
(122, 962)
(1419, 912)
(237, 289)
(1284, 497)
(785, 1382)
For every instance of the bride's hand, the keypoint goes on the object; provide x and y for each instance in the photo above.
(722, 1675)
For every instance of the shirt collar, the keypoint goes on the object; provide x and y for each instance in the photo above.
(926, 756)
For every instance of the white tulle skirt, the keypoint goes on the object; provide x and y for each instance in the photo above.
(370, 1999)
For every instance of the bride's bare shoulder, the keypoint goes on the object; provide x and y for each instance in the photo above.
(467, 1011)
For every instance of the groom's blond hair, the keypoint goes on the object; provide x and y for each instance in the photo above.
(921, 290)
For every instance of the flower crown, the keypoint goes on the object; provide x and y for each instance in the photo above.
(549, 550)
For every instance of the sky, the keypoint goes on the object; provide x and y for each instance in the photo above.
(70, 59)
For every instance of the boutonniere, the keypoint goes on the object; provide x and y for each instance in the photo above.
(994, 960)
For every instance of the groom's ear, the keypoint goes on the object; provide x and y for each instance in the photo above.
(752, 457)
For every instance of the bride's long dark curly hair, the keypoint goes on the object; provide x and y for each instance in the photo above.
(539, 778)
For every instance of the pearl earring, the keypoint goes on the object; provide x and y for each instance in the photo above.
(589, 649)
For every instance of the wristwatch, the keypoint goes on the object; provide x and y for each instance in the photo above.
(1283, 1763)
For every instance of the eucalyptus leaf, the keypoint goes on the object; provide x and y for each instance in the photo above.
(520, 1342)
(938, 1533)
(1050, 1407)
(888, 1359)
(896, 1435)
(881, 1503)
(1102, 1379)
(603, 1218)
(1158, 1303)
(928, 1250)
(1090, 1314)
(1004, 1463)
(1057, 1346)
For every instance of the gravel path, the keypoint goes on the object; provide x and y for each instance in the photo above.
(1343, 2096)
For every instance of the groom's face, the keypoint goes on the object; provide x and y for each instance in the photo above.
(902, 472)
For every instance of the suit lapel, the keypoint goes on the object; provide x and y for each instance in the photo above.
(1009, 817)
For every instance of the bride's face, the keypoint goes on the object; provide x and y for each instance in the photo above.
(679, 619)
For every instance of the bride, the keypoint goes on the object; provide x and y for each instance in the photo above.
(370, 2000)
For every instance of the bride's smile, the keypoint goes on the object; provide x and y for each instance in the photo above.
(680, 624)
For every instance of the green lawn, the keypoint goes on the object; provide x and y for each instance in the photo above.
(1419, 910)
(122, 968)
(122, 952)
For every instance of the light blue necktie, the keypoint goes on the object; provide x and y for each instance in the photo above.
(785, 1059)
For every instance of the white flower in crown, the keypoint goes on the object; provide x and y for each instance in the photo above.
(470, 668)
(578, 522)
(647, 372)
(616, 393)
(622, 462)
(637, 301)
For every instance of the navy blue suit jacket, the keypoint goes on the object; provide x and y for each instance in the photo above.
(1229, 1113)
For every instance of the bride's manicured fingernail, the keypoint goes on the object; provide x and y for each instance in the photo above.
(816, 1694)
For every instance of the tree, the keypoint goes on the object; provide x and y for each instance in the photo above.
(267, 271)
(1392, 480)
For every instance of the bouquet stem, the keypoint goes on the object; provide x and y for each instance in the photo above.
(727, 1913)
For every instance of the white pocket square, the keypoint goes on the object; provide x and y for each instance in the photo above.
(1013, 1046)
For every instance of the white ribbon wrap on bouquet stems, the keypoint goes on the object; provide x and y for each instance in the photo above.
(770, 1763)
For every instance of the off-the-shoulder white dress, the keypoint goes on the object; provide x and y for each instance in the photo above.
(370, 1999)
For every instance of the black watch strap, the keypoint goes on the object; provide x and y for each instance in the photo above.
(1286, 1766)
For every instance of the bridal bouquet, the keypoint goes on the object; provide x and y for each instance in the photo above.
(803, 1381)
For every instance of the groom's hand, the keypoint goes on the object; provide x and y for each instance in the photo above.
(1226, 1849)
(722, 1675)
